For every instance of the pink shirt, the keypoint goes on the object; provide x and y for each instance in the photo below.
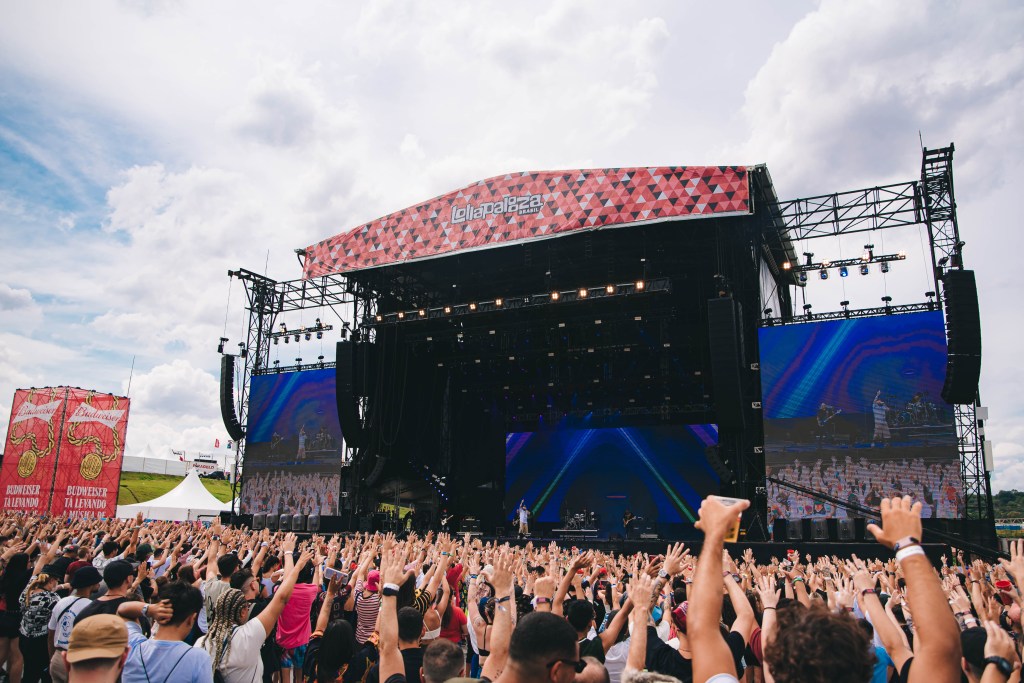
(293, 628)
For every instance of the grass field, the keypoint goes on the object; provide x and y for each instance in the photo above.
(137, 487)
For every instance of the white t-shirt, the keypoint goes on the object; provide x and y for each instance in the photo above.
(615, 660)
(67, 609)
(243, 663)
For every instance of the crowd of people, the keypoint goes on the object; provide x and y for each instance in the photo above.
(281, 492)
(155, 602)
(937, 485)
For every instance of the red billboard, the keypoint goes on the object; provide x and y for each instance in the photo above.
(91, 450)
(534, 205)
(33, 438)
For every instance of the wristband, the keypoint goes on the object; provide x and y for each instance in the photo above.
(904, 542)
(504, 599)
(392, 586)
(904, 553)
(1003, 665)
(765, 609)
(865, 591)
(798, 579)
(662, 574)
(145, 610)
(541, 601)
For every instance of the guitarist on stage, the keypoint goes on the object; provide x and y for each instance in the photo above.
(628, 522)
(826, 428)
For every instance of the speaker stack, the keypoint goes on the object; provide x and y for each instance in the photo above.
(963, 337)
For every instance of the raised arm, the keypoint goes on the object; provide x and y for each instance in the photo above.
(937, 645)
(392, 572)
(324, 618)
(268, 617)
(711, 654)
(501, 631)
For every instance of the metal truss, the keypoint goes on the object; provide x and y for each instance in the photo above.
(277, 369)
(847, 314)
(854, 211)
(940, 210)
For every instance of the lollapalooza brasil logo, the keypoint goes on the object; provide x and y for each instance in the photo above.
(526, 205)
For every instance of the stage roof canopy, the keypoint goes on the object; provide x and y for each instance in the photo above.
(534, 205)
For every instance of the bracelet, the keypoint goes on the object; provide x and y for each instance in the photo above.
(866, 591)
(504, 599)
(798, 579)
(391, 586)
(904, 553)
(542, 601)
(904, 542)
(767, 608)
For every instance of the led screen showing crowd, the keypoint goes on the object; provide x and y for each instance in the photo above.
(852, 408)
(590, 478)
(294, 445)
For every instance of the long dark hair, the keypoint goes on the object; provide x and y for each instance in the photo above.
(337, 648)
(16, 576)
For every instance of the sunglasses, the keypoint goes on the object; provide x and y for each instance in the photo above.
(578, 664)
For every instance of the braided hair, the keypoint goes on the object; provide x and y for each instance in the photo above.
(228, 611)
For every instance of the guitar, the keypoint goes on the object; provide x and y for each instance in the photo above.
(446, 519)
(822, 423)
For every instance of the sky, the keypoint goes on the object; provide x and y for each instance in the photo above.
(149, 146)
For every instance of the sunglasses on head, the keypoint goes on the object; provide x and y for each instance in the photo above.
(578, 664)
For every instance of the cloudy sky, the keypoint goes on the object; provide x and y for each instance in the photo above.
(146, 147)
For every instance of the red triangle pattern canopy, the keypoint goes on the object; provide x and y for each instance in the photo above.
(533, 205)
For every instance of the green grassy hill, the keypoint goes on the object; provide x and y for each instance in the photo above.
(138, 487)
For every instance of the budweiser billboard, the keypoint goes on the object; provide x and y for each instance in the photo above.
(91, 450)
(30, 453)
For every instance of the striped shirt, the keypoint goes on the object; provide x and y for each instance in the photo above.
(367, 609)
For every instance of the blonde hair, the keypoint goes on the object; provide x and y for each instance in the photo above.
(38, 584)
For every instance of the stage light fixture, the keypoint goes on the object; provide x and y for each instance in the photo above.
(276, 341)
(844, 304)
(864, 269)
(423, 313)
(298, 361)
(823, 274)
(401, 315)
(284, 328)
(472, 307)
(844, 271)
(808, 256)
(555, 296)
(884, 267)
(583, 292)
(277, 366)
(379, 318)
(786, 265)
(610, 289)
(286, 339)
(869, 252)
(640, 285)
(318, 324)
(447, 310)
(499, 302)
(320, 335)
(220, 346)
(297, 337)
(802, 276)
(308, 336)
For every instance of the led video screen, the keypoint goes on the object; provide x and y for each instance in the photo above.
(293, 445)
(660, 474)
(852, 408)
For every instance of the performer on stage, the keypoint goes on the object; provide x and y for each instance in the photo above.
(524, 519)
(628, 520)
(879, 410)
(301, 454)
(826, 426)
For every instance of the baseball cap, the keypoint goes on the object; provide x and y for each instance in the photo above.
(103, 636)
(85, 576)
(70, 548)
(115, 573)
(373, 581)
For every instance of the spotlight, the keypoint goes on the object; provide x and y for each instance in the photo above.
(864, 269)
(887, 299)
(447, 310)
(884, 267)
(844, 271)
(220, 346)
(869, 252)
(802, 277)
(423, 313)
(308, 336)
(786, 265)
(298, 361)
(472, 307)
(499, 302)
(639, 285)
(844, 304)
(555, 296)
(297, 337)
(284, 328)
(943, 261)
(583, 292)
(286, 339)
(379, 318)
(823, 274)
(808, 256)
(319, 325)
(276, 340)
(320, 335)
(610, 289)
(401, 315)
(767, 312)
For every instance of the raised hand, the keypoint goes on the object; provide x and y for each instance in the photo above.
(716, 517)
(641, 591)
(900, 518)
(769, 594)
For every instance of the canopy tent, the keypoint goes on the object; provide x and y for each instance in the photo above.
(188, 500)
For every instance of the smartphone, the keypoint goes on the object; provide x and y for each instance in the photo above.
(733, 534)
(330, 573)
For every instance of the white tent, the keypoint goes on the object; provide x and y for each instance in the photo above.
(187, 500)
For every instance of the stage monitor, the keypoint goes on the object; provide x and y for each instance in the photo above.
(853, 408)
(590, 477)
(294, 447)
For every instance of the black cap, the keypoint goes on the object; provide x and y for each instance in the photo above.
(85, 576)
(972, 642)
(115, 573)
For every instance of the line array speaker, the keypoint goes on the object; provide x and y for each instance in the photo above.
(227, 398)
(725, 334)
(963, 337)
(352, 429)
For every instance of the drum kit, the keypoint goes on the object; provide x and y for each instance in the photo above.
(917, 413)
(583, 519)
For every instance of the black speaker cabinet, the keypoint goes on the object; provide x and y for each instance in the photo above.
(259, 521)
(298, 522)
(819, 529)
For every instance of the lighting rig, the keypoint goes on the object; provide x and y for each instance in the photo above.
(541, 299)
(843, 265)
(300, 333)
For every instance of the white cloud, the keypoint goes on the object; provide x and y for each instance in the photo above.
(12, 299)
